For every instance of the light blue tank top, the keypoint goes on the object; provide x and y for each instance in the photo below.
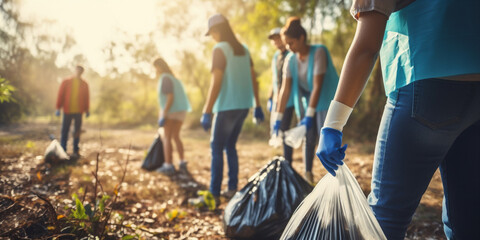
(275, 79)
(329, 86)
(430, 40)
(180, 99)
(237, 88)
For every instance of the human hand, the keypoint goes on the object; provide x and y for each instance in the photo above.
(57, 113)
(307, 121)
(270, 104)
(206, 121)
(161, 122)
(258, 114)
(330, 150)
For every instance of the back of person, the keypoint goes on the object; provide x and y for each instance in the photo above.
(237, 90)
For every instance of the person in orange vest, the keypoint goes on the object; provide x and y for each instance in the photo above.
(73, 98)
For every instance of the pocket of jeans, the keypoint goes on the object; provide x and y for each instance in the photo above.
(440, 103)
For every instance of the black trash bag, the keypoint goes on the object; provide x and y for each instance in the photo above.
(336, 209)
(55, 153)
(154, 158)
(263, 207)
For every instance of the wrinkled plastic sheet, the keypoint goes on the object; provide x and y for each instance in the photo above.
(262, 208)
(294, 136)
(336, 209)
(155, 157)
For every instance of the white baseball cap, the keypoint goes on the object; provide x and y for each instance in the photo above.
(273, 32)
(215, 20)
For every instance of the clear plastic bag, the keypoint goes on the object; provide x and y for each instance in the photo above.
(276, 140)
(55, 153)
(294, 136)
(336, 209)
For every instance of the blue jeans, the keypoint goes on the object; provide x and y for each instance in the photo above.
(67, 120)
(284, 126)
(430, 123)
(311, 139)
(227, 126)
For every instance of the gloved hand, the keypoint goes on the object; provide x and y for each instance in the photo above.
(330, 150)
(307, 121)
(206, 121)
(87, 114)
(161, 122)
(269, 104)
(57, 113)
(258, 114)
(276, 127)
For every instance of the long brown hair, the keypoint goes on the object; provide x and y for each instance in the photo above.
(226, 34)
(160, 63)
(293, 28)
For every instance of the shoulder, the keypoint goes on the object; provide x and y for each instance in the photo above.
(221, 45)
(290, 58)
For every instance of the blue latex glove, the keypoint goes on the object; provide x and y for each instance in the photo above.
(258, 114)
(330, 150)
(87, 114)
(57, 113)
(270, 104)
(276, 127)
(307, 121)
(206, 121)
(161, 122)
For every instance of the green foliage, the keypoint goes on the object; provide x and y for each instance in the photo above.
(6, 91)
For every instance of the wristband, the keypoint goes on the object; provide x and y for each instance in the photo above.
(337, 115)
(310, 112)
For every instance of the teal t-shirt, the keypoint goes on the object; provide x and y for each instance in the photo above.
(236, 91)
(180, 99)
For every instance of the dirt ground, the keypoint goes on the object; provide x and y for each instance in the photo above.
(146, 198)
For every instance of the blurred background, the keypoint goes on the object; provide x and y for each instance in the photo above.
(117, 40)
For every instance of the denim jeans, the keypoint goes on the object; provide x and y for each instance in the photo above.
(430, 123)
(311, 139)
(67, 120)
(284, 126)
(227, 126)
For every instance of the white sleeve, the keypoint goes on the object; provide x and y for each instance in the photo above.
(286, 66)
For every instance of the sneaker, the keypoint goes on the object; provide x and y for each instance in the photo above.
(75, 155)
(229, 194)
(183, 166)
(166, 170)
(309, 177)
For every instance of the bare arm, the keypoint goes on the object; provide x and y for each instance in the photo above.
(317, 88)
(168, 105)
(215, 86)
(361, 57)
(284, 94)
(255, 87)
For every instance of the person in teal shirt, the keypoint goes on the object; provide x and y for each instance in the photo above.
(311, 79)
(233, 91)
(174, 106)
(429, 53)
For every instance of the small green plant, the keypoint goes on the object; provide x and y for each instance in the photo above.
(6, 90)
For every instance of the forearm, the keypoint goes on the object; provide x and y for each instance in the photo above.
(361, 57)
(255, 87)
(213, 91)
(284, 95)
(317, 89)
(168, 104)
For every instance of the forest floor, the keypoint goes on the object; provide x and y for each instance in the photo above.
(145, 199)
